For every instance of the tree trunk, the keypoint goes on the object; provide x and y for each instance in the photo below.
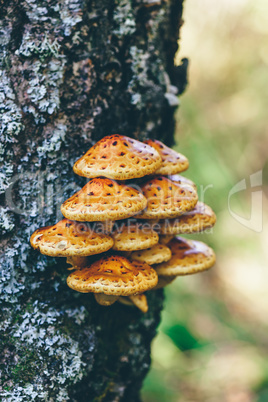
(73, 71)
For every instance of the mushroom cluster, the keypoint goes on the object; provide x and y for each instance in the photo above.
(130, 211)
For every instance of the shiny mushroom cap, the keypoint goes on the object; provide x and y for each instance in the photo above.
(198, 219)
(114, 275)
(133, 236)
(182, 180)
(172, 161)
(118, 157)
(188, 257)
(167, 199)
(103, 199)
(70, 238)
(153, 255)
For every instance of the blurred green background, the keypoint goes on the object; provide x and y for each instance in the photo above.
(212, 344)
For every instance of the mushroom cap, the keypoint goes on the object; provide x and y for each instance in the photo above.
(153, 255)
(118, 157)
(172, 162)
(103, 199)
(188, 257)
(69, 238)
(139, 301)
(134, 236)
(114, 275)
(182, 180)
(167, 199)
(200, 218)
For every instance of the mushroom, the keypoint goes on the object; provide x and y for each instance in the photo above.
(153, 255)
(103, 199)
(114, 276)
(188, 257)
(169, 202)
(182, 180)
(172, 162)
(134, 236)
(118, 157)
(71, 239)
(139, 301)
(167, 199)
(198, 219)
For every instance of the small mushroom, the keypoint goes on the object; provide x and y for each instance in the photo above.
(118, 157)
(153, 255)
(114, 276)
(70, 239)
(167, 199)
(133, 236)
(103, 199)
(188, 257)
(198, 219)
(172, 162)
(139, 301)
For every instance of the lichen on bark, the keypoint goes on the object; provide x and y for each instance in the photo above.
(72, 71)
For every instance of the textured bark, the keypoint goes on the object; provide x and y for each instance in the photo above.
(73, 71)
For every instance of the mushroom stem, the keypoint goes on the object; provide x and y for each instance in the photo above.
(139, 301)
(105, 300)
(76, 262)
(163, 281)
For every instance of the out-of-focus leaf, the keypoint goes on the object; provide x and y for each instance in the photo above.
(182, 337)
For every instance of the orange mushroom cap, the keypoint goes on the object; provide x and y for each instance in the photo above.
(103, 199)
(153, 255)
(172, 162)
(118, 157)
(188, 257)
(198, 219)
(114, 275)
(70, 238)
(133, 236)
(167, 199)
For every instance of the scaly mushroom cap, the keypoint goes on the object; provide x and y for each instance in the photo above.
(118, 157)
(70, 238)
(182, 180)
(200, 218)
(114, 275)
(134, 236)
(188, 257)
(167, 199)
(153, 255)
(172, 161)
(103, 199)
(139, 301)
